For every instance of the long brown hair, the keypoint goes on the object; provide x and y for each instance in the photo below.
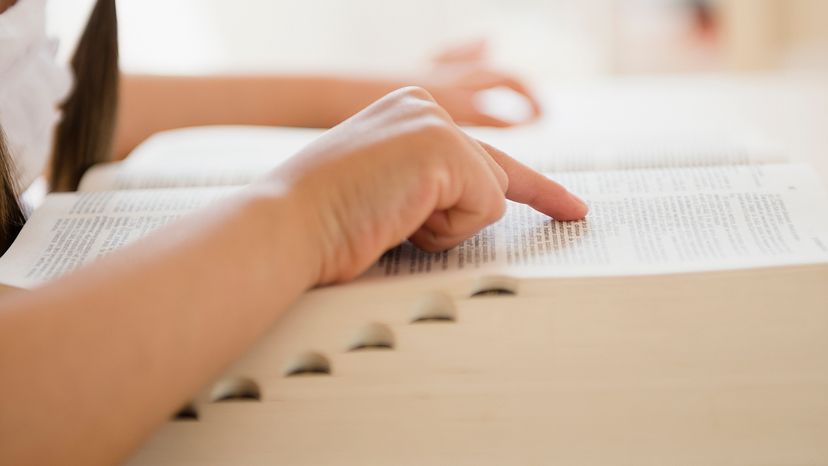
(85, 134)
(11, 213)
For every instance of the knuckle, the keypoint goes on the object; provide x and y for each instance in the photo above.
(415, 103)
(418, 107)
(414, 92)
(433, 127)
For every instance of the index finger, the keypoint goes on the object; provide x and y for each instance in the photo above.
(539, 192)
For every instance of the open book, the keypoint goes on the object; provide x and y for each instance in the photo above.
(654, 209)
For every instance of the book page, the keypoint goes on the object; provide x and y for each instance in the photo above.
(641, 222)
(201, 156)
(590, 150)
(240, 144)
(72, 229)
(125, 176)
(237, 155)
(648, 222)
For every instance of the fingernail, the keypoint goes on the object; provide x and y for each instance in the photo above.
(574, 196)
(580, 201)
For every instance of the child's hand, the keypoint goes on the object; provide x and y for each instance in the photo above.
(460, 73)
(402, 169)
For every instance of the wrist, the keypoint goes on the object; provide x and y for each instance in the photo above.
(284, 234)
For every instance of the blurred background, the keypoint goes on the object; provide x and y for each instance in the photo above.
(540, 39)
(631, 76)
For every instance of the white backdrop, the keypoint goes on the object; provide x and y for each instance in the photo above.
(540, 38)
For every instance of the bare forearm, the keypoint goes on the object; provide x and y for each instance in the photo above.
(155, 103)
(91, 363)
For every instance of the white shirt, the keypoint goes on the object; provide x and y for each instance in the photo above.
(32, 85)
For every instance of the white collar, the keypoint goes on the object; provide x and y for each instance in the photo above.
(22, 26)
(32, 85)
